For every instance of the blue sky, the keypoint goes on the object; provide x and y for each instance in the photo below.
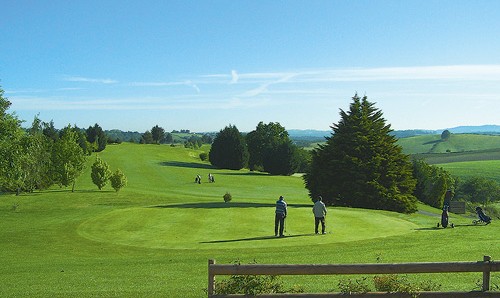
(202, 65)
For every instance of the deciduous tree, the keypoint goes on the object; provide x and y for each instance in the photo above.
(68, 158)
(432, 183)
(100, 173)
(118, 180)
(229, 149)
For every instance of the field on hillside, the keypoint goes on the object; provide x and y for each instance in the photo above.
(456, 143)
(155, 236)
(487, 169)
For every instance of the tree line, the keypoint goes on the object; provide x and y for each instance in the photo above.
(41, 156)
(268, 148)
(360, 165)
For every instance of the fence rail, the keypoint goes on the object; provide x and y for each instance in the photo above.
(486, 266)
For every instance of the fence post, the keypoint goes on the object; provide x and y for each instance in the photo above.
(211, 279)
(486, 274)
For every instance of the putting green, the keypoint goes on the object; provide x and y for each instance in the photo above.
(213, 225)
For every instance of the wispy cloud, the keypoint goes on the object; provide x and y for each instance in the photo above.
(234, 77)
(89, 80)
(451, 72)
(163, 84)
(264, 87)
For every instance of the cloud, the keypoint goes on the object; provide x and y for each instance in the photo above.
(234, 77)
(264, 87)
(166, 84)
(450, 72)
(89, 80)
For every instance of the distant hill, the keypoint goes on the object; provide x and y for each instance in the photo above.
(456, 143)
(314, 136)
(304, 136)
(482, 129)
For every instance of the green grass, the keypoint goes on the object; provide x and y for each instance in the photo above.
(477, 155)
(456, 143)
(486, 169)
(154, 237)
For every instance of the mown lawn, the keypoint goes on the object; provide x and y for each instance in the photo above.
(154, 238)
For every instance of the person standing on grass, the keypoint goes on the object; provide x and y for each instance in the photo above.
(279, 220)
(319, 211)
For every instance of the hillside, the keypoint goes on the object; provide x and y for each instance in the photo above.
(456, 143)
(154, 237)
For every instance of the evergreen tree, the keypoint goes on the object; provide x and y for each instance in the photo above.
(361, 165)
(229, 149)
(158, 134)
(97, 137)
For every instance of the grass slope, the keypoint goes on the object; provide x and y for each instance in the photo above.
(456, 143)
(486, 169)
(153, 238)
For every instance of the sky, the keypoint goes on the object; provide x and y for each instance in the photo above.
(204, 65)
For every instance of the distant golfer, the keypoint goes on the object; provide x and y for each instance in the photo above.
(279, 220)
(319, 211)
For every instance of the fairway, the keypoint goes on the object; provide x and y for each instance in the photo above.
(155, 236)
(199, 226)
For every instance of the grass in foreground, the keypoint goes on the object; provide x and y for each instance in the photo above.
(153, 238)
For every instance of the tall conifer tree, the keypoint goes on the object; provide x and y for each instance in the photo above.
(361, 165)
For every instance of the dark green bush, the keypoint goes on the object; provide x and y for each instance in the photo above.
(203, 156)
(227, 197)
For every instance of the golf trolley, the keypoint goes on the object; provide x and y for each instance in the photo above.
(482, 217)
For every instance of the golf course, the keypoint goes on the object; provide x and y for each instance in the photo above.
(153, 238)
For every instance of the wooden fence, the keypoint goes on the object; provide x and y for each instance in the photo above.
(486, 267)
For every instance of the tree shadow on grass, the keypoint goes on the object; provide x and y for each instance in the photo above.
(244, 174)
(433, 142)
(256, 238)
(210, 205)
(182, 164)
(449, 227)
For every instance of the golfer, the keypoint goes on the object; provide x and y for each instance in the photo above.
(279, 219)
(319, 211)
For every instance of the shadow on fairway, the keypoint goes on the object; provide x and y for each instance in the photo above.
(227, 205)
(79, 190)
(244, 174)
(441, 228)
(182, 164)
(256, 238)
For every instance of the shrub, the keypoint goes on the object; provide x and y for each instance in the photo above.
(253, 285)
(393, 283)
(203, 156)
(100, 173)
(118, 180)
(227, 197)
(350, 286)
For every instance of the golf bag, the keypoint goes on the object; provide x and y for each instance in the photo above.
(445, 218)
(483, 218)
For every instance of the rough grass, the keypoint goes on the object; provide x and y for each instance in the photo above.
(154, 237)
